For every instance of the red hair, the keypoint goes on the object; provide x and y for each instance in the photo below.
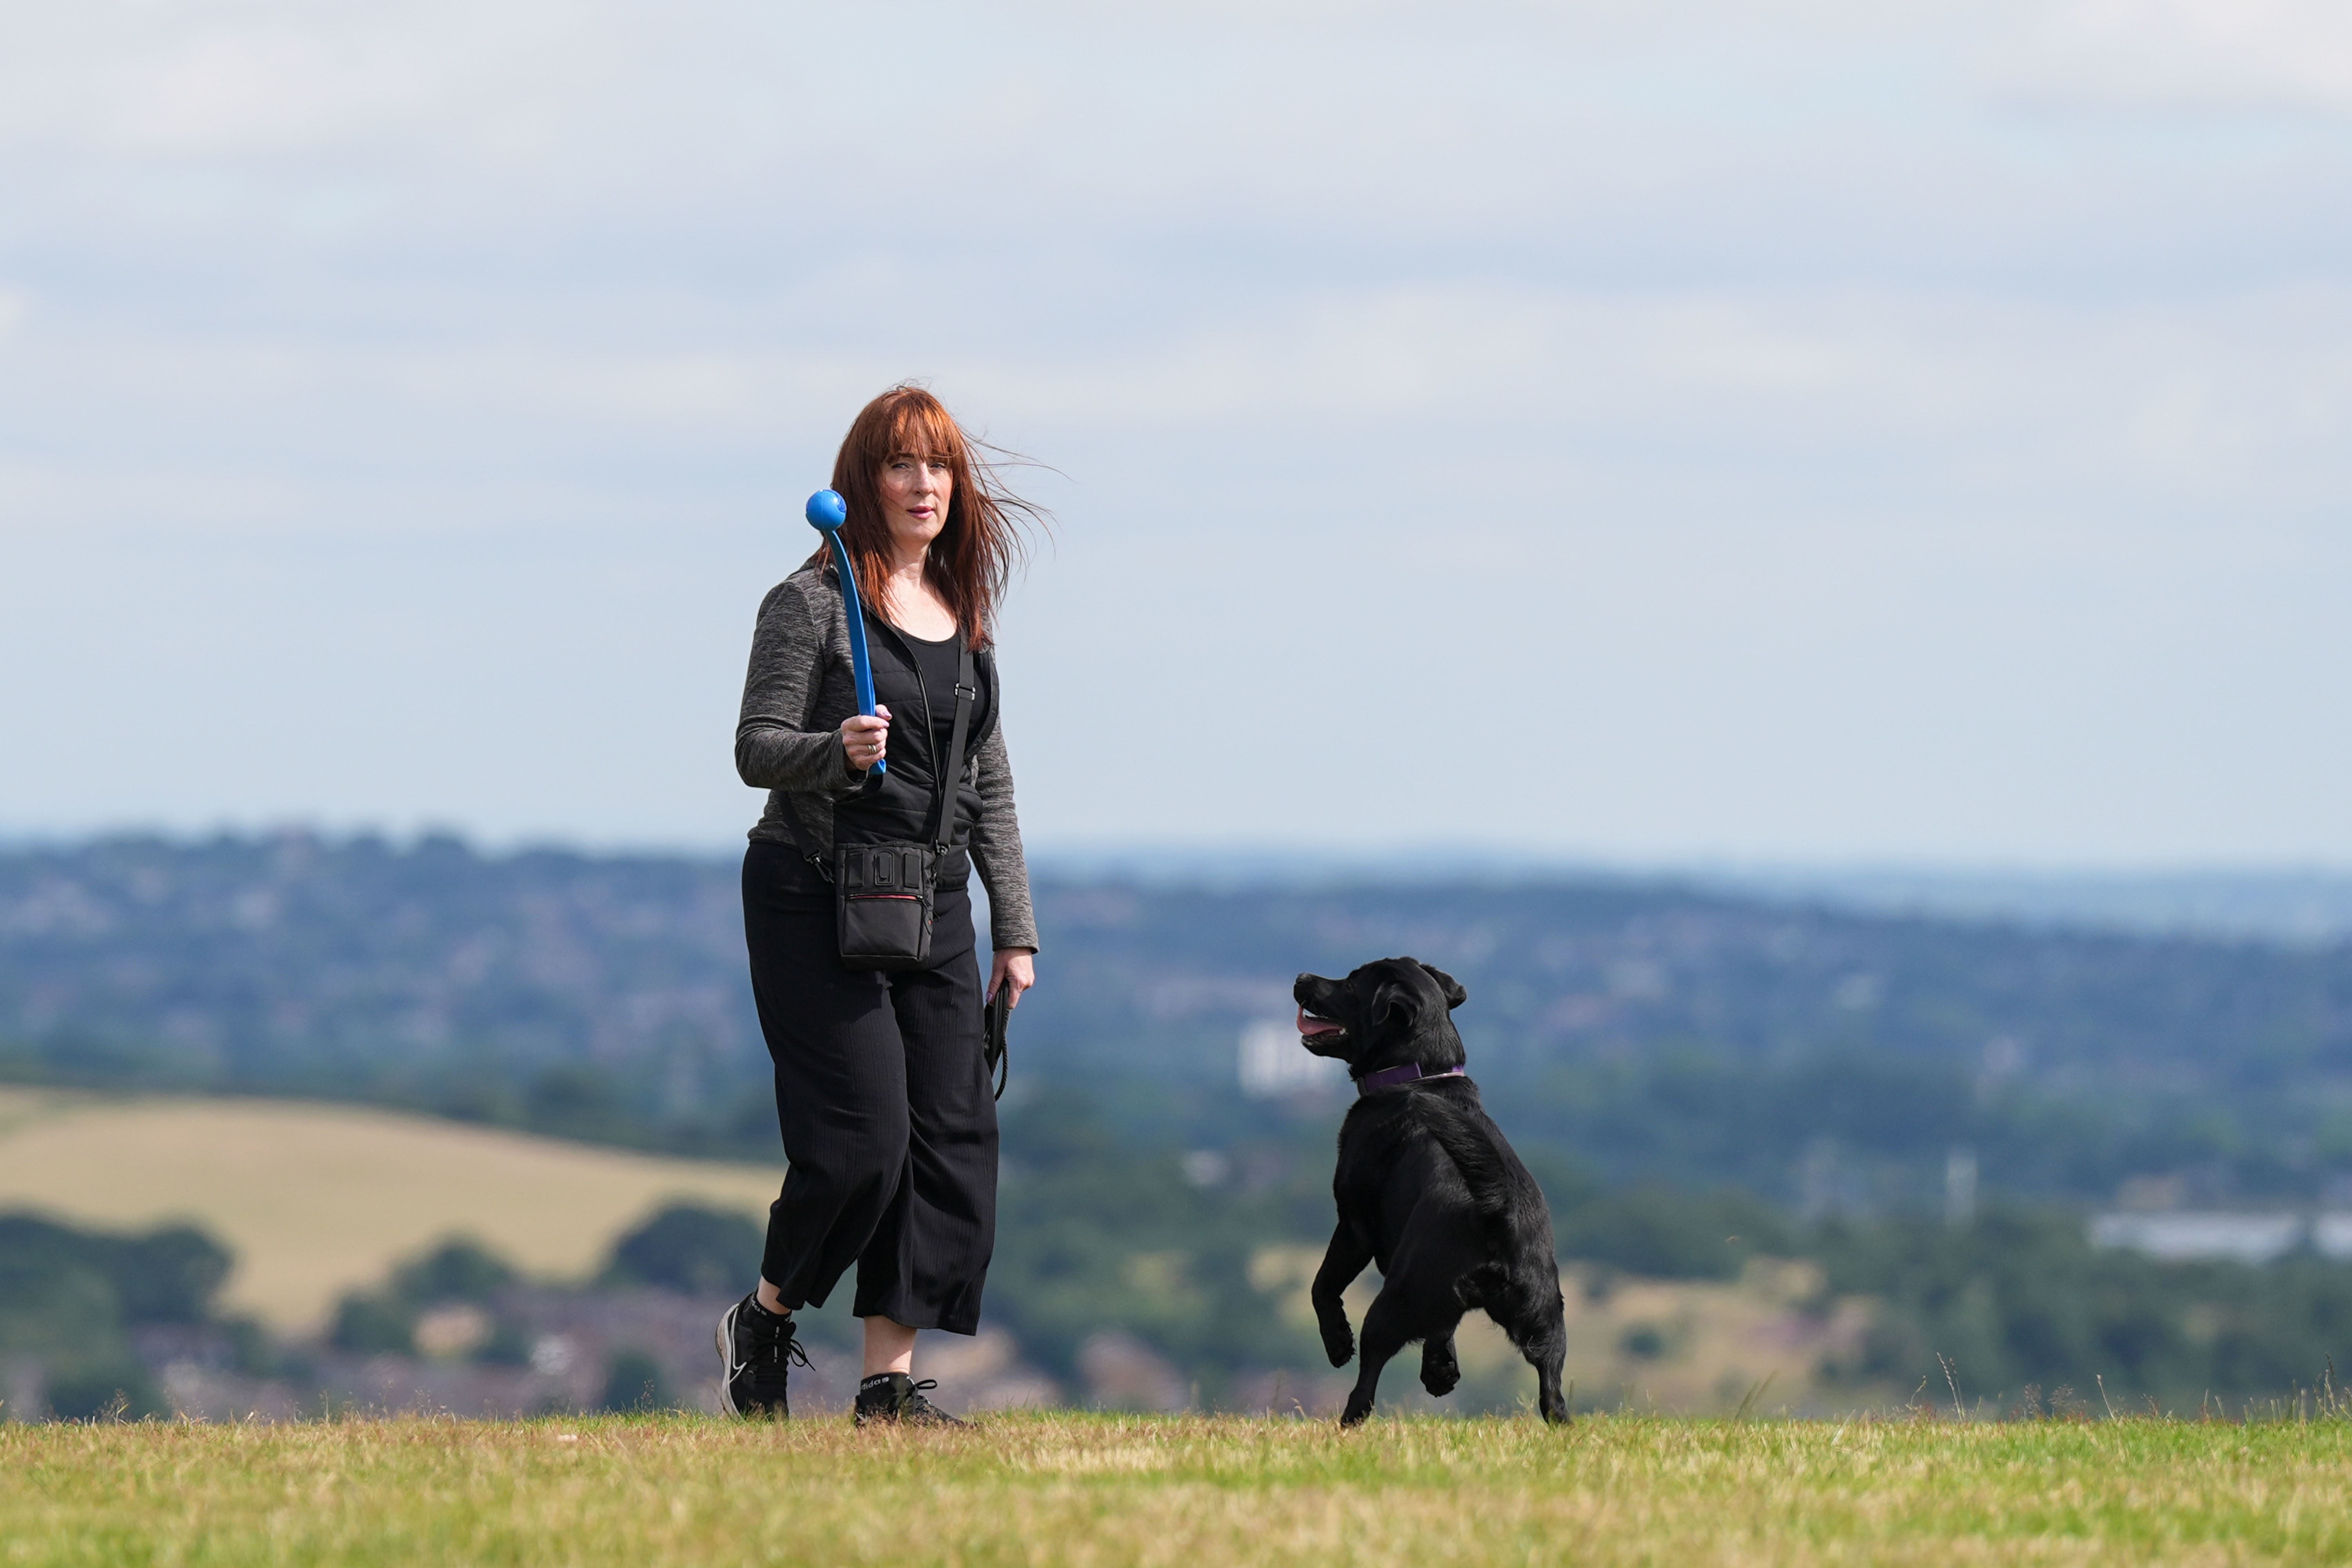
(972, 561)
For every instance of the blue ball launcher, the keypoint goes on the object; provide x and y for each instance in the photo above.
(826, 512)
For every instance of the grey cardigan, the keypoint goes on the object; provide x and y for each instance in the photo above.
(788, 743)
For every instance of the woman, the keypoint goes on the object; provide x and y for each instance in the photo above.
(888, 1123)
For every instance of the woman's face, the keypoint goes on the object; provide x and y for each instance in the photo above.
(915, 495)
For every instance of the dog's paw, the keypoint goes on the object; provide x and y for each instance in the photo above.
(1358, 1408)
(1339, 1345)
(1441, 1378)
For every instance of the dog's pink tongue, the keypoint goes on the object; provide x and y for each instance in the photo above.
(1308, 1024)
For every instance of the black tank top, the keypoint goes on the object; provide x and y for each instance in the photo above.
(938, 663)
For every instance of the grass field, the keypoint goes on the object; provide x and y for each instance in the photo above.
(1194, 1491)
(316, 1199)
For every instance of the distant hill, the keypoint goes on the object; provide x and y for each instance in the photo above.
(426, 973)
(2299, 905)
(1826, 1056)
(2308, 907)
(314, 1200)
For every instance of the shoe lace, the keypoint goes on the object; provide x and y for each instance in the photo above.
(915, 1400)
(786, 1349)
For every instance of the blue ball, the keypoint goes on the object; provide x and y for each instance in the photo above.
(826, 510)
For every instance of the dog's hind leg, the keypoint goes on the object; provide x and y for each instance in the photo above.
(1546, 1351)
(1385, 1334)
(1547, 1396)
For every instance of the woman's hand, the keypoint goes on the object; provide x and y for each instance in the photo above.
(863, 740)
(1014, 967)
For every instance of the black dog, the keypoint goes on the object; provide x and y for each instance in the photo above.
(1427, 1188)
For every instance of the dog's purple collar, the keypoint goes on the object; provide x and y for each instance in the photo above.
(1389, 1078)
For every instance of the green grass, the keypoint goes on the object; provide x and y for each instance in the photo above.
(1197, 1492)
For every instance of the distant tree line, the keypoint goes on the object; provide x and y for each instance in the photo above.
(1819, 1058)
(1099, 1234)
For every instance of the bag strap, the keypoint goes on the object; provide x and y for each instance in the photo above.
(966, 691)
(801, 843)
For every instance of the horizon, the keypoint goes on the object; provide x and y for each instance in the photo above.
(1142, 852)
(2299, 905)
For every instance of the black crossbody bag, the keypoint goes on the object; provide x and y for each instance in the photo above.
(884, 895)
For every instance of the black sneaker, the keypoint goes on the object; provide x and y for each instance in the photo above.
(894, 1398)
(757, 1352)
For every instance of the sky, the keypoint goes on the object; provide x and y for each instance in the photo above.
(1652, 432)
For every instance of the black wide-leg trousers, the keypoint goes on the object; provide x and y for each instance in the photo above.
(888, 1119)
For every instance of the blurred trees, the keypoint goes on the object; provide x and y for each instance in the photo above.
(2021, 1296)
(1099, 1233)
(68, 1299)
(689, 1249)
(383, 1321)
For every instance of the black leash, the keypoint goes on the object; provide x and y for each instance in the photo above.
(994, 1050)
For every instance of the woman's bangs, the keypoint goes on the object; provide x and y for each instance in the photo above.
(921, 428)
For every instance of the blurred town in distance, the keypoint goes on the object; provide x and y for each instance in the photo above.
(2051, 1149)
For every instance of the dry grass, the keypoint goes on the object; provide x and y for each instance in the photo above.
(1185, 1492)
(318, 1198)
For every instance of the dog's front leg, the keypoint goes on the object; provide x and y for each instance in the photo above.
(1441, 1369)
(1343, 1261)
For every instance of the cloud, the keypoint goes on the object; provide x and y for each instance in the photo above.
(1848, 413)
(2240, 55)
(257, 91)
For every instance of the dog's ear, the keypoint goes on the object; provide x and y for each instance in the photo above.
(1393, 996)
(1455, 994)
